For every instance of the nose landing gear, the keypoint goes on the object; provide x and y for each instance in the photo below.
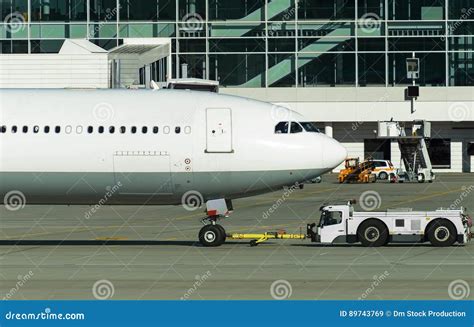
(213, 234)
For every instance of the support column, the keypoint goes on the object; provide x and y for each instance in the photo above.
(147, 76)
(328, 130)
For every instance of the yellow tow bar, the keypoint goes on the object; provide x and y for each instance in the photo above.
(257, 238)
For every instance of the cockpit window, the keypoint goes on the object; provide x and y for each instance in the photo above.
(296, 128)
(310, 127)
(282, 127)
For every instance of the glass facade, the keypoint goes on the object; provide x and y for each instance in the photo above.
(267, 43)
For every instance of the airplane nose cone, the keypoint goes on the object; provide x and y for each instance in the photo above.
(334, 153)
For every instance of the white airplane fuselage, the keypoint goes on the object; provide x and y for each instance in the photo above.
(151, 147)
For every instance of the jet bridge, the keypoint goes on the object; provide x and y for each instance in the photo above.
(414, 157)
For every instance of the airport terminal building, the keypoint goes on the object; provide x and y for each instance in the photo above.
(341, 63)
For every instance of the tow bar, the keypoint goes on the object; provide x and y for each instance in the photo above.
(257, 238)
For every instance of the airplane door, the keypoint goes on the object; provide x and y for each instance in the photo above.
(219, 130)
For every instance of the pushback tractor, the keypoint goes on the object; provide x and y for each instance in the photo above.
(340, 223)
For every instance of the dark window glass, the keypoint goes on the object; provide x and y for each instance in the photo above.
(47, 46)
(57, 129)
(232, 69)
(328, 69)
(151, 10)
(123, 129)
(134, 129)
(371, 69)
(461, 70)
(103, 10)
(101, 129)
(14, 129)
(330, 218)
(111, 129)
(417, 10)
(144, 129)
(470, 149)
(36, 129)
(440, 153)
(25, 129)
(282, 127)
(177, 129)
(155, 130)
(377, 149)
(326, 9)
(90, 129)
(46, 129)
(231, 9)
(62, 10)
(3, 129)
(296, 128)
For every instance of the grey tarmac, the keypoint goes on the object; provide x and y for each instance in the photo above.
(151, 252)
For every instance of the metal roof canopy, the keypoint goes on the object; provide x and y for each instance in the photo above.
(145, 50)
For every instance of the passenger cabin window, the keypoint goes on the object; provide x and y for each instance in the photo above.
(25, 129)
(3, 129)
(310, 127)
(57, 129)
(90, 129)
(101, 129)
(79, 129)
(14, 129)
(187, 130)
(296, 128)
(46, 129)
(134, 129)
(166, 129)
(68, 129)
(36, 129)
(123, 129)
(112, 129)
(282, 127)
(177, 129)
(155, 129)
(144, 129)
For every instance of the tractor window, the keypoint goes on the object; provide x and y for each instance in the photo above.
(330, 218)
(282, 127)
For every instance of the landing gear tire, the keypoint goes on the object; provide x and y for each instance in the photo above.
(373, 233)
(224, 235)
(212, 235)
(442, 233)
(383, 176)
(421, 178)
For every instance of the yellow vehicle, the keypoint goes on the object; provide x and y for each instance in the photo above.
(357, 172)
